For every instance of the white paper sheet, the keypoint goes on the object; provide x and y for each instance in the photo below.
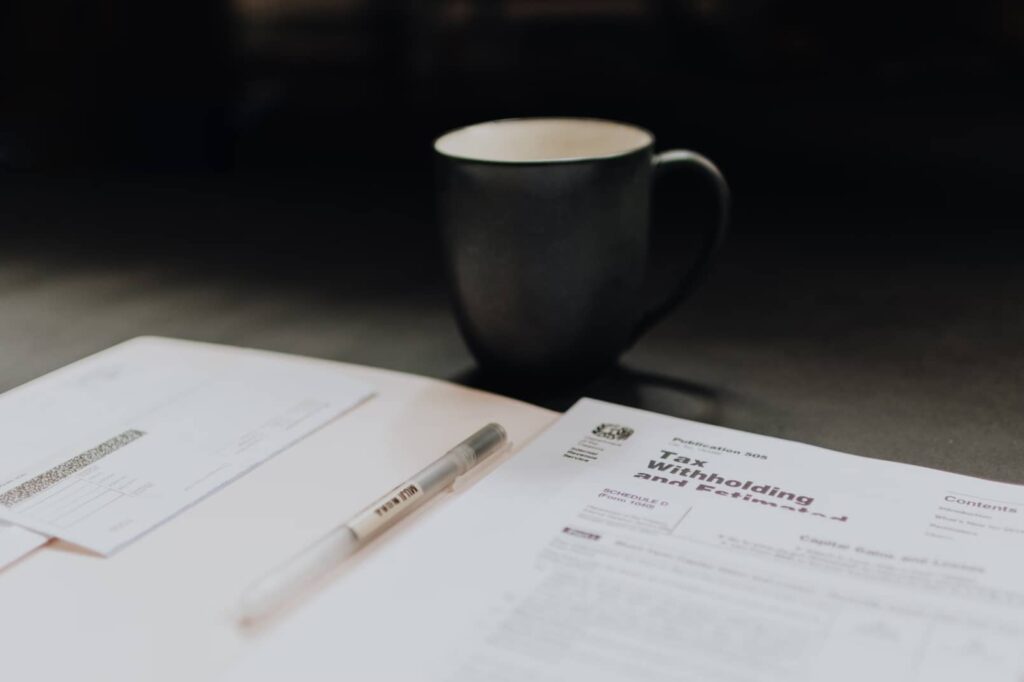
(16, 542)
(101, 451)
(623, 545)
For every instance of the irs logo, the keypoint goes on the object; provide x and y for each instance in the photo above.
(612, 431)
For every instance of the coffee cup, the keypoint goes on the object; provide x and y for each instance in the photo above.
(545, 226)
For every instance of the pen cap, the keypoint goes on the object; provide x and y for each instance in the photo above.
(485, 442)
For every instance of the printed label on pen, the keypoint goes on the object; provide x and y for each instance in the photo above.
(376, 517)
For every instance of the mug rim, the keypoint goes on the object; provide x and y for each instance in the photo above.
(543, 162)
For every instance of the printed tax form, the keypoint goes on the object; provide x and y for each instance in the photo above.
(103, 450)
(625, 545)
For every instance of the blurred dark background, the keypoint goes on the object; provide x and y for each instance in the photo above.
(259, 172)
(914, 107)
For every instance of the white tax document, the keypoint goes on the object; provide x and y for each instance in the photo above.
(625, 545)
(103, 450)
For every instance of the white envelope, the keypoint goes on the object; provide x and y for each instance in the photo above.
(103, 450)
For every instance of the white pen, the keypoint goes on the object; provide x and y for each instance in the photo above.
(274, 588)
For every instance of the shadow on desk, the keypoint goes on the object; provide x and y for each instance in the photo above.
(620, 384)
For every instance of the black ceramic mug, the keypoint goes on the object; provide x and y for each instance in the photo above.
(545, 226)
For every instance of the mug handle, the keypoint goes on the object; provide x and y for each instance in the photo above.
(664, 162)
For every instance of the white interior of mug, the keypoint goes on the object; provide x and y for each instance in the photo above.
(536, 140)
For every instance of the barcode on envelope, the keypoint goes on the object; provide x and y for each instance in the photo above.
(42, 481)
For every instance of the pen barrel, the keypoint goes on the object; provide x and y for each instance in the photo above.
(303, 569)
(407, 497)
(485, 442)
(429, 481)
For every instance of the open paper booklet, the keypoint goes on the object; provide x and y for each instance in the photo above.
(624, 545)
(618, 544)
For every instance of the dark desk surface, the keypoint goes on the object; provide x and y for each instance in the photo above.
(900, 346)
